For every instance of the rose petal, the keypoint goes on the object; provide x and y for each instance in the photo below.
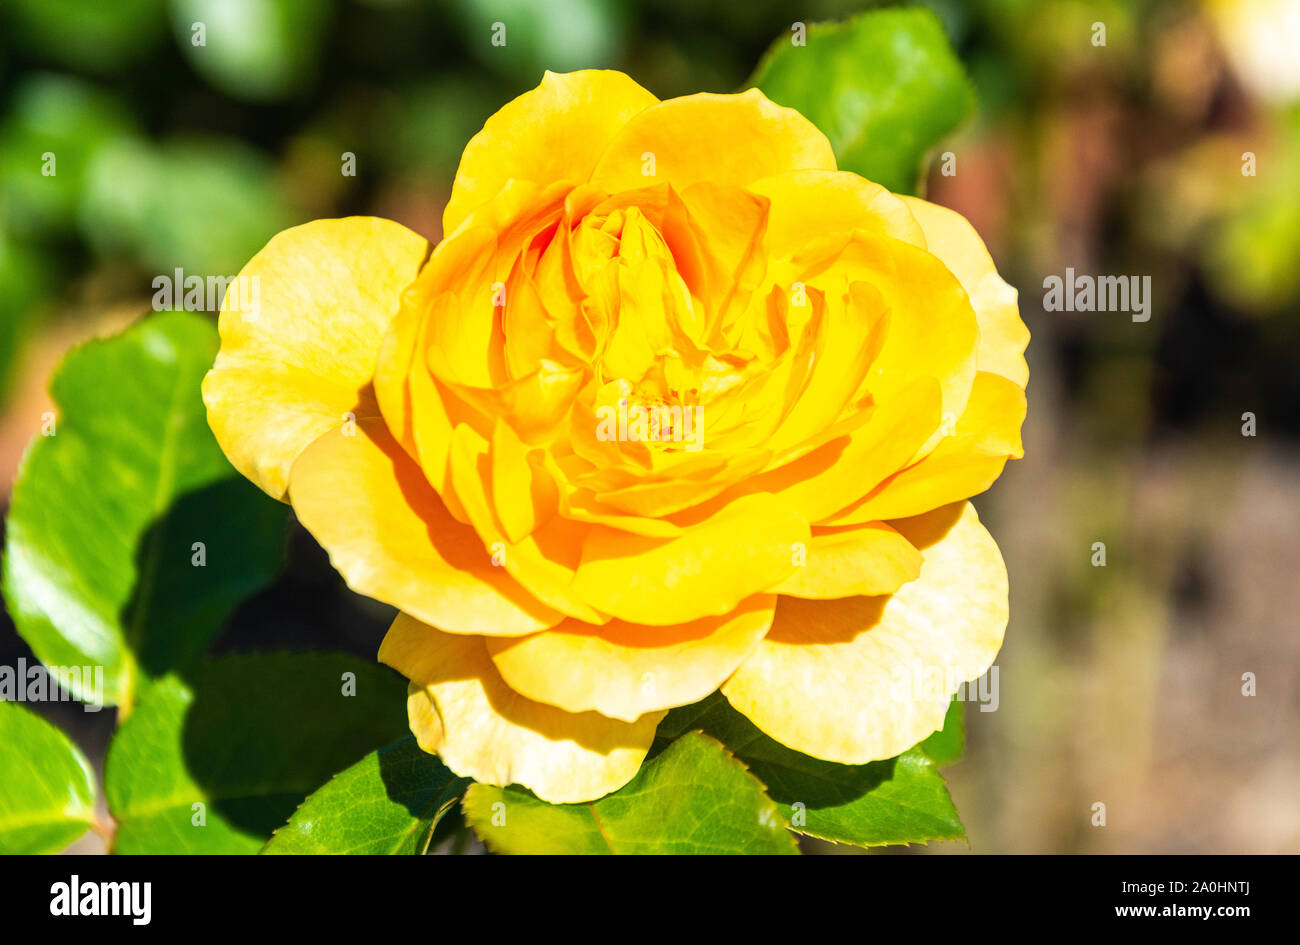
(853, 560)
(806, 205)
(932, 330)
(726, 139)
(392, 538)
(839, 473)
(554, 132)
(483, 729)
(865, 678)
(624, 670)
(740, 551)
(292, 365)
(544, 562)
(964, 464)
(1003, 336)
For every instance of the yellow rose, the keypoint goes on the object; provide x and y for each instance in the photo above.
(464, 431)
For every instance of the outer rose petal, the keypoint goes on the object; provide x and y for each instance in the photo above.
(853, 560)
(725, 139)
(866, 678)
(423, 718)
(556, 131)
(391, 537)
(964, 464)
(1003, 336)
(290, 369)
(486, 731)
(624, 670)
(807, 205)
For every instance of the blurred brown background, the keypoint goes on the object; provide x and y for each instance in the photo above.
(1119, 684)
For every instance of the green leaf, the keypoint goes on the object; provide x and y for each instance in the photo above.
(901, 800)
(946, 745)
(693, 797)
(108, 514)
(247, 738)
(884, 87)
(47, 790)
(388, 802)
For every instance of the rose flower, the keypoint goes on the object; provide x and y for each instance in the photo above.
(674, 406)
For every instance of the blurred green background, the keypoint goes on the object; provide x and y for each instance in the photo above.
(1119, 684)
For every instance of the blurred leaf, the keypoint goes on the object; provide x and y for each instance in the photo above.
(1048, 40)
(388, 802)
(693, 798)
(946, 745)
(22, 281)
(1251, 253)
(901, 800)
(88, 34)
(100, 568)
(47, 790)
(203, 206)
(560, 35)
(246, 738)
(427, 134)
(884, 87)
(66, 119)
(253, 49)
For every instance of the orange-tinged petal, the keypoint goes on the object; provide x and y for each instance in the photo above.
(454, 294)
(544, 562)
(392, 367)
(554, 132)
(465, 283)
(1003, 336)
(390, 536)
(726, 139)
(434, 415)
(624, 670)
(719, 230)
(964, 464)
(705, 572)
(443, 360)
(419, 411)
(299, 358)
(853, 560)
(865, 678)
(483, 729)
